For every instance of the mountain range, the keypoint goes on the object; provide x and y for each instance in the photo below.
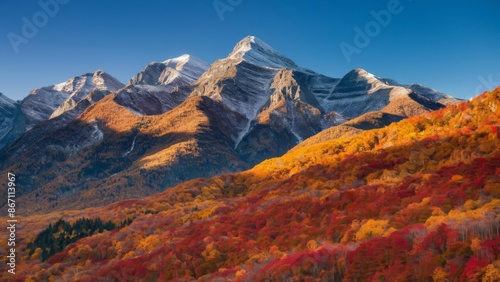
(92, 140)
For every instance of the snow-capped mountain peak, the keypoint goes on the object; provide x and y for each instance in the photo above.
(179, 60)
(161, 86)
(87, 82)
(182, 70)
(359, 82)
(249, 42)
(257, 52)
(374, 83)
(43, 103)
(184, 61)
(361, 76)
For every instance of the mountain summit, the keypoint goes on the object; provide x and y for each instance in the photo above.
(185, 69)
(42, 103)
(257, 52)
(161, 86)
(81, 86)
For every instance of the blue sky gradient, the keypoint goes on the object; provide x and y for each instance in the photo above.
(452, 46)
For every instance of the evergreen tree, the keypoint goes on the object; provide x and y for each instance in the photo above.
(59, 235)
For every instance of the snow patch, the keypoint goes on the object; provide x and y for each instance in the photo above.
(242, 133)
(131, 148)
(97, 134)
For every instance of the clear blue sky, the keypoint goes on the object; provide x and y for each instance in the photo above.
(452, 46)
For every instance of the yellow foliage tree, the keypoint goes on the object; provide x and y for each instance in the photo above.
(149, 243)
(440, 275)
(312, 245)
(240, 273)
(491, 273)
(373, 228)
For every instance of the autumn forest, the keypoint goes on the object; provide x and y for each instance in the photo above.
(418, 200)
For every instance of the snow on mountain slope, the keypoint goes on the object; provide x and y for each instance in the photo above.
(240, 85)
(359, 92)
(40, 104)
(290, 116)
(315, 87)
(81, 86)
(432, 94)
(151, 99)
(351, 96)
(77, 108)
(278, 98)
(43, 103)
(186, 69)
(242, 81)
(255, 51)
(182, 70)
(160, 87)
(81, 135)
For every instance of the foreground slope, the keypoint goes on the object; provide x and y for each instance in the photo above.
(417, 200)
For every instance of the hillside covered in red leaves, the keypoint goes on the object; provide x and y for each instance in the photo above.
(418, 200)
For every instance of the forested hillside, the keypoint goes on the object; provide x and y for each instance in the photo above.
(418, 200)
